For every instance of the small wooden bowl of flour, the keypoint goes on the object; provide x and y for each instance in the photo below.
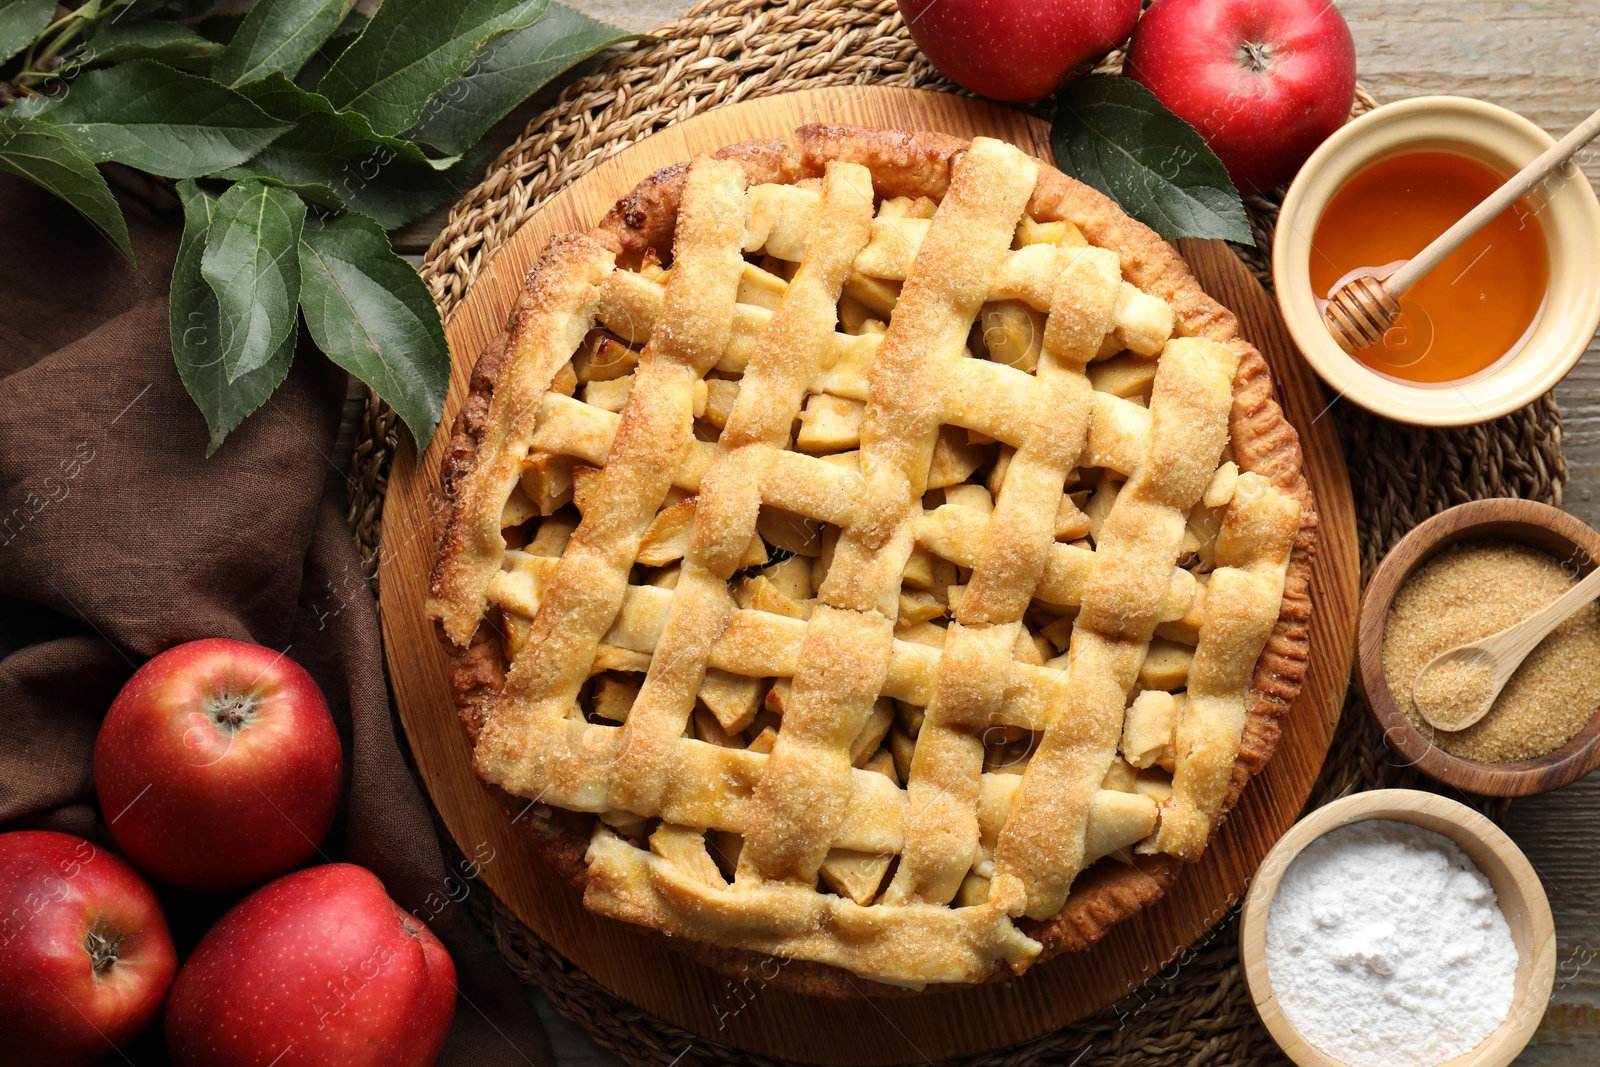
(1568, 548)
(1398, 928)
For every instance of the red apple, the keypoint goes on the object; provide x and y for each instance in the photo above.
(319, 967)
(1264, 81)
(218, 765)
(1016, 49)
(85, 957)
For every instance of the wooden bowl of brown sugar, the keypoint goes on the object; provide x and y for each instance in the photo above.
(1459, 576)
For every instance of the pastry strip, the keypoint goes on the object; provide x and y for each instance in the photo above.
(590, 582)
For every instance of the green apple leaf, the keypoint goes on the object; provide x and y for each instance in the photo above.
(162, 41)
(193, 319)
(508, 71)
(251, 263)
(158, 119)
(361, 176)
(1112, 133)
(46, 157)
(20, 22)
(279, 36)
(369, 311)
(413, 48)
(334, 47)
(337, 151)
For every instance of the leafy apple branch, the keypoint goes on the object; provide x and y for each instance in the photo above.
(297, 135)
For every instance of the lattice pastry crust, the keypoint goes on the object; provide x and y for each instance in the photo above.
(889, 542)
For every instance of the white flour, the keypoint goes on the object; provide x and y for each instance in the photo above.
(1386, 947)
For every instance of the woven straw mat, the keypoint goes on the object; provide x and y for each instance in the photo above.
(1198, 1010)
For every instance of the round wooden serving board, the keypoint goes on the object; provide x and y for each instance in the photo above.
(644, 969)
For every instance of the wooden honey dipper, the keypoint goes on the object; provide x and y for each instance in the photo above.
(1363, 309)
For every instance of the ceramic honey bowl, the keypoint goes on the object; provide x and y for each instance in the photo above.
(1495, 326)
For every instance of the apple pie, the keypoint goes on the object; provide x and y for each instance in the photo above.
(871, 550)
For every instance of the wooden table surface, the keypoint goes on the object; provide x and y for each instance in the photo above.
(1537, 57)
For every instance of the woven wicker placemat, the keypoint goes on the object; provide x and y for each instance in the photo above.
(1196, 1010)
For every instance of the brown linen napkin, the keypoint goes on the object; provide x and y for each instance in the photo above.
(119, 539)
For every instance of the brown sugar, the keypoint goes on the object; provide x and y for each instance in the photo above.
(1452, 691)
(1468, 592)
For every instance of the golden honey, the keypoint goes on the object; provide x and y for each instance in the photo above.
(1468, 313)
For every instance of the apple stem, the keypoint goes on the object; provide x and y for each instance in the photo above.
(103, 950)
(1256, 56)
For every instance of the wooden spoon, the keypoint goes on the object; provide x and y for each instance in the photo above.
(1363, 309)
(1457, 687)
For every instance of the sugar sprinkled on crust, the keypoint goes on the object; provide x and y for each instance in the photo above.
(914, 165)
